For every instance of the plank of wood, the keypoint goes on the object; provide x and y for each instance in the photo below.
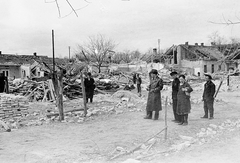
(5, 126)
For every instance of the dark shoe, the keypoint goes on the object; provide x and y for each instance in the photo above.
(147, 117)
(204, 117)
(211, 118)
(176, 121)
(181, 123)
(185, 124)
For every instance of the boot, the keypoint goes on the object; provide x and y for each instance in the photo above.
(185, 120)
(156, 116)
(149, 115)
(181, 119)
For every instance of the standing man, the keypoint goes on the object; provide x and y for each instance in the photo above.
(175, 88)
(208, 93)
(154, 95)
(183, 100)
(139, 82)
(89, 87)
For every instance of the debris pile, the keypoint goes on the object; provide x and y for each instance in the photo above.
(12, 106)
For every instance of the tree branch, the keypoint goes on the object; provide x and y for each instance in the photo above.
(72, 8)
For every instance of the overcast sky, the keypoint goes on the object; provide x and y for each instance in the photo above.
(134, 24)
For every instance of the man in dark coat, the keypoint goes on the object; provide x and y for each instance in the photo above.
(175, 87)
(89, 87)
(139, 82)
(183, 100)
(154, 95)
(208, 96)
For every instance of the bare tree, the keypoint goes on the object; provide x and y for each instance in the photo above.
(96, 51)
(216, 39)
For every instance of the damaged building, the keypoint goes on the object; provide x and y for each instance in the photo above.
(27, 66)
(196, 59)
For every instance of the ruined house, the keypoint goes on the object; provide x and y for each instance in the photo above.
(196, 59)
(24, 66)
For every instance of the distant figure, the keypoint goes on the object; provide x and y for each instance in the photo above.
(138, 82)
(134, 78)
(208, 96)
(175, 88)
(89, 87)
(183, 101)
(154, 95)
(2, 82)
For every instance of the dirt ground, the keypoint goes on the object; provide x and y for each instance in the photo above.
(95, 140)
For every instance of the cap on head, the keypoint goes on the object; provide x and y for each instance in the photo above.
(154, 71)
(182, 76)
(209, 75)
(89, 74)
(173, 73)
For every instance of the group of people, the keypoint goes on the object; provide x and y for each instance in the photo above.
(181, 91)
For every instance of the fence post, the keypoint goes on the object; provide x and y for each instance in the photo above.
(165, 137)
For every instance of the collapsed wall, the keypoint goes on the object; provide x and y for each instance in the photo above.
(12, 106)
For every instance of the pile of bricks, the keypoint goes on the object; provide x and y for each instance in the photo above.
(12, 106)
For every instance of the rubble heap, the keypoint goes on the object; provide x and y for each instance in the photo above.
(12, 106)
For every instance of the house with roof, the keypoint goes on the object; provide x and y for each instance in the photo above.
(196, 59)
(24, 66)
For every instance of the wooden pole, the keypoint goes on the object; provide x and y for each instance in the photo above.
(53, 51)
(60, 96)
(84, 94)
(58, 85)
(165, 137)
(69, 51)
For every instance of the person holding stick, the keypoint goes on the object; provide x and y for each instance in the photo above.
(183, 101)
(208, 96)
(175, 87)
(154, 95)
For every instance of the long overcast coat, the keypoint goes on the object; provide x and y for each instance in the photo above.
(183, 100)
(154, 95)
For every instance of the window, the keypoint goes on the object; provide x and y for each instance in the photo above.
(219, 67)
(175, 57)
(205, 68)
(38, 73)
(212, 68)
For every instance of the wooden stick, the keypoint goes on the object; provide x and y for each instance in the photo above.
(215, 95)
(57, 114)
(84, 94)
(165, 137)
(5, 126)
(136, 148)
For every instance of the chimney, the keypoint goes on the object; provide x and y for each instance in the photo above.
(0, 52)
(196, 44)
(35, 54)
(213, 43)
(154, 51)
(202, 44)
(186, 43)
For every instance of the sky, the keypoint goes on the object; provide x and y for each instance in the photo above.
(26, 25)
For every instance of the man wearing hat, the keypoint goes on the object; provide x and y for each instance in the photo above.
(154, 95)
(208, 93)
(175, 87)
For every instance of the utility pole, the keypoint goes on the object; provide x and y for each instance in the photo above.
(53, 52)
(159, 46)
(69, 51)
